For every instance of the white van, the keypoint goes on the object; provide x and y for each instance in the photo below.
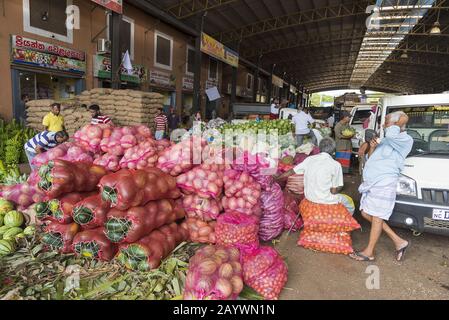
(422, 203)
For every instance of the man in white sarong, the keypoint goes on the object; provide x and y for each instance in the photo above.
(380, 176)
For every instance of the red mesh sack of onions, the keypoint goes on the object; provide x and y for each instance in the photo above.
(67, 151)
(215, 273)
(23, 194)
(94, 244)
(257, 165)
(109, 161)
(205, 180)
(272, 219)
(235, 228)
(291, 210)
(199, 230)
(264, 270)
(202, 208)
(140, 156)
(242, 193)
(119, 140)
(90, 136)
(181, 157)
(332, 242)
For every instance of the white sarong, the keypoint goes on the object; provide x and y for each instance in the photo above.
(378, 201)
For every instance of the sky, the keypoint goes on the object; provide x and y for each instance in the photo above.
(338, 93)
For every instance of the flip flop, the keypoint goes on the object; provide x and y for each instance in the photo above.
(357, 255)
(401, 252)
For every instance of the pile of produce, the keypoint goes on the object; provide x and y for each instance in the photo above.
(349, 132)
(199, 230)
(215, 273)
(12, 228)
(327, 227)
(13, 136)
(282, 126)
(202, 208)
(205, 180)
(59, 209)
(234, 229)
(67, 151)
(22, 194)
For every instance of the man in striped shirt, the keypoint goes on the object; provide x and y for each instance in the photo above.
(161, 124)
(42, 142)
(97, 118)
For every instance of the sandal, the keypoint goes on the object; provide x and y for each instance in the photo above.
(358, 256)
(401, 252)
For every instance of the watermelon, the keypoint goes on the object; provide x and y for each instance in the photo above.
(42, 210)
(3, 229)
(13, 219)
(5, 206)
(1, 219)
(7, 247)
(11, 233)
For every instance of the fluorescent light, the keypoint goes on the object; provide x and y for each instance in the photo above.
(436, 28)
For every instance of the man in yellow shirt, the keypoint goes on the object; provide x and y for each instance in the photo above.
(53, 121)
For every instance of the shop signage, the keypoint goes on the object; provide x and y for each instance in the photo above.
(187, 83)
(42, 54)
(102, 69)
(278, 82)
(217, 50)
(114, 5)
(162, 79)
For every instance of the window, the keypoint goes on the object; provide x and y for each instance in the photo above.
(47, 18)
(213, 69)
(163, 51)
(249, 81)
(190, 65)
(360, 116)
(126, 35)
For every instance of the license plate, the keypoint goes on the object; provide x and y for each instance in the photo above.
(439, 214)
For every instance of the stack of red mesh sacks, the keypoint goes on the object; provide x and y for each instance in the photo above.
(327, 227)
(203, 189)
(144, 208)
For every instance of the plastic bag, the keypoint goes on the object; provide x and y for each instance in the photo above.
(205, 180)
(332, 242)
(199, 230)
(291, 211)
(181, 157)
(202, 208)
(94, 244)
(133, 188)
(215, 273)
(242, 193)
(235, 228)
(140, 156)
(60, 177)
(59, 236)
(327, 218)
(137, 222)
(23, 194)
(91, 212)
(109, 161)
(148, 252)
(264, 270)
(272, 219)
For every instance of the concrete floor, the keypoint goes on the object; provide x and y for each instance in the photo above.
(424, 274)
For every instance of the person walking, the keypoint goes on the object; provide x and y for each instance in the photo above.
(97, 117)
(380, 179)
(302, 120)
(42, 142)
(160, 123)
(54, 121)
(344, 144)
(173, 120)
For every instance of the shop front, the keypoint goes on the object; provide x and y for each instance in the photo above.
(41, 70)
(165, 84)
(129, 80)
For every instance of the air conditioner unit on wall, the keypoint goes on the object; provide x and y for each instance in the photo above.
(103, 46)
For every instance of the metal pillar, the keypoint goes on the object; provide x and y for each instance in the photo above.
(233, 88)
(197, 73)
(270, 84)
(115, 21)
(256, 80)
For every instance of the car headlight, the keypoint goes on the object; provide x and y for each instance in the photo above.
(406, 186)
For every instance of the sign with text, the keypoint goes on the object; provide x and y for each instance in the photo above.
(102, 69)
(46, 55)
(278, 82)
(187, 83)
(114, 5)
(162, 79)
(215, 49)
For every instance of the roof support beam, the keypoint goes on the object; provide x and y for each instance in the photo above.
(188, 8)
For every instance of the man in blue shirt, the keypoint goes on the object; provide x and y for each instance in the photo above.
(42, 142)
(380, 179)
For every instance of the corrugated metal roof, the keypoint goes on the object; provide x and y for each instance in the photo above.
(317, 42)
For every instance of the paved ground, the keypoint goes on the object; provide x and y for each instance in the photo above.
(423, 275)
